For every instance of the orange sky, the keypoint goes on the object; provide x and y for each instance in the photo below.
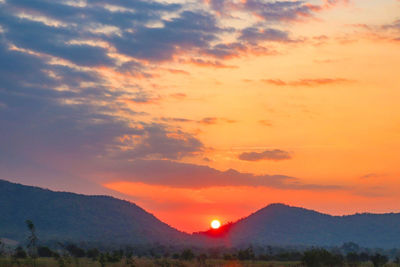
(305, 114)
(344, 131)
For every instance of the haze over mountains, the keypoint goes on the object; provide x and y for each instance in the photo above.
(71, 217)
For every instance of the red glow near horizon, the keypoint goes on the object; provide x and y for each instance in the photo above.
(173, 205)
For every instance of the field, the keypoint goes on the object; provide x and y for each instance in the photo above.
(146, 262)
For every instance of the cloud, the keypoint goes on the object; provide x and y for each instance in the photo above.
(52, 40)
(372, 175)
(267, 10)
(306, 82)
(188, 32)
(273, 11)
(99, 33)
(280, 10)
(177, 71)
(209, 120)
(59, 63)
(185, 175)
(254, 35)
(225, 50)
(204, 121)
(56, 28)
(54, 129)
(143, 98)
(155, 140)
(210, 63)
(214, 120)
(393, 29)
(265, 123)
(178, 96)
(275, 155)
(168, 119)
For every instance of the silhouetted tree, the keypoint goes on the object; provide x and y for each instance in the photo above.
(364, 257)
(75, 251)
(228, 257)
(187, 255)
(60, 260)
(130, 261)
(93, 253)
(202, 259)
(45, 252)
(353, 259)
(321, 257)
(19, 253)
(246, 254)
(288, 256)
(102, 260)
(2, 252)
(32, 239)
(379, 260)
(350, 247)
(335, 260)
(175, 256)
(115, 256)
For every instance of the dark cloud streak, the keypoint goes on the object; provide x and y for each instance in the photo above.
(184, 175)
(275, 155)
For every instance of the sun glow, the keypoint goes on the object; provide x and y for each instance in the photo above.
(215, 224)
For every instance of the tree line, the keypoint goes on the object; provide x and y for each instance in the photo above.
(349, 254)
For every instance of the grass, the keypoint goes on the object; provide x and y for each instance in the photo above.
(146, 262)
(142, 262)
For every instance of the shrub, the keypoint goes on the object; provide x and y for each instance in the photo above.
(45, 252)
(187, 255)
(75, 251)
(321, 257)
(353, 259)
(246, 254)
(379, 260)
(92, 253)
(20, 253)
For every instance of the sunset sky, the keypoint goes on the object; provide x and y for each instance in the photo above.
(201, 110)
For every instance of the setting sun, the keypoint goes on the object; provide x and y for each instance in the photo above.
(215, 224)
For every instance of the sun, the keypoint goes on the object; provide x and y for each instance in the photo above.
(215, 224)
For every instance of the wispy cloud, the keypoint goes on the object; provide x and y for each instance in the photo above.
(211, 63)
(265, 123)
(274, 155)
(372, 175)
(306, 82)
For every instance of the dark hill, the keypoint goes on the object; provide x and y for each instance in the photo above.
(71, 217)
(61, 216)
(278, 224)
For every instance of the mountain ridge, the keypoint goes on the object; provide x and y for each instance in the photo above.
(67, 216)
(78, 217)
(281, 224)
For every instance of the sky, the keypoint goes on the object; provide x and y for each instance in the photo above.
(201, 110)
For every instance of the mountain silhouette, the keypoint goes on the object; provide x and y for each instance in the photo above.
(61, 216)
(279, 224)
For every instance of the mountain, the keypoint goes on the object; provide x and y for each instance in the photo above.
(279, 224)
(61, 216)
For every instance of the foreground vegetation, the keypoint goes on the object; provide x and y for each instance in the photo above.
(72, 255)
(68, 254)
(165, 262)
